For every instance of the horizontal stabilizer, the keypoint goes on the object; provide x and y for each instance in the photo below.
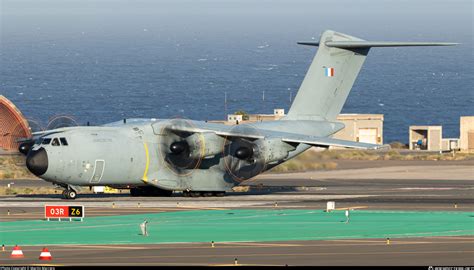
(371, 44)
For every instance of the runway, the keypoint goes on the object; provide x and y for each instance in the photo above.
(429, 193)
(408, 251)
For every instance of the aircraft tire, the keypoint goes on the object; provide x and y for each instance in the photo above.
(134, 192)
(195, 194)
(219, 193)
(71, 194)
(166, 193)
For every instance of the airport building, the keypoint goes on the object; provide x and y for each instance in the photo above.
(233, 119)
(367, 128)
(466, 133)
(13, 126)
(425, 138)
(430, 138)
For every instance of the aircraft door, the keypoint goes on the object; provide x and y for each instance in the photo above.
(55, 150)
(98, 171)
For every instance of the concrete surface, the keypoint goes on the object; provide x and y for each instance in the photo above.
(425, 187)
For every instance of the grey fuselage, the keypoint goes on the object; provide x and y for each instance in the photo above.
(131, 154)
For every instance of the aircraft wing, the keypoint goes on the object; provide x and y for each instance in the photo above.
(326, 142)
(251, 133)
(244, 131)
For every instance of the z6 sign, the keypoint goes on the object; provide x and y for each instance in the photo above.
(63, 211)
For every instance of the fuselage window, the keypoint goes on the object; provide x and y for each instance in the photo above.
(55, 142)
(63, 141)
(46, 141)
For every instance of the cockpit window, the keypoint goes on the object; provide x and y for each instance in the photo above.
(63, 141)
(46, 141)
(55, 142)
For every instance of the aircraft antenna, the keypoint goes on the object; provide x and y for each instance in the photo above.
(225, 105)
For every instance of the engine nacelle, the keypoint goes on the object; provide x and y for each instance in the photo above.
(273, 150)
(205, 144)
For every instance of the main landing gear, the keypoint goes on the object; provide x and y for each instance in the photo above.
(203, 193)
(150, 191)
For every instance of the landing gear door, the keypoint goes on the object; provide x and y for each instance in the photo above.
(98, 171)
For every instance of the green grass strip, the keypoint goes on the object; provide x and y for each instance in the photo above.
(238, 225)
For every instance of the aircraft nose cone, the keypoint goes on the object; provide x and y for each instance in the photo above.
(37, 161)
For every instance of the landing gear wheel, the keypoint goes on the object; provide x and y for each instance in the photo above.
(135, 192)
(166, 193)
(69, 194)
(150, 191)
(195, 194)
(219, 193)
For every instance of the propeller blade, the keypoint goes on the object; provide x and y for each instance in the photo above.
(243, 158)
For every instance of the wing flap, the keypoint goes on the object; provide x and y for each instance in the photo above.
(327, 142)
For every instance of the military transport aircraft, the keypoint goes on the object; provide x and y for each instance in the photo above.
(159, 156)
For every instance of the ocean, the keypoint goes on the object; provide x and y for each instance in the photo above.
(101, 61)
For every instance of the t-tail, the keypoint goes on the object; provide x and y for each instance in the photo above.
(332, 73)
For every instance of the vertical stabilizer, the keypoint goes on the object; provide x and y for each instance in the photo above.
(332, 73)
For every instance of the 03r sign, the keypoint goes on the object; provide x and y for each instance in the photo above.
(63, 212)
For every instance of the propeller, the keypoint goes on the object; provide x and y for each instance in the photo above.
(27, 142)
(61, 121)
(244, 157)
(35, 125)
(24, 139)
(181, 150)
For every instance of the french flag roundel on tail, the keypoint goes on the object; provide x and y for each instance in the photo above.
(329, 72)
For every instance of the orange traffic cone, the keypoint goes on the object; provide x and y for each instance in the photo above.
(45, 255)
(17, 253)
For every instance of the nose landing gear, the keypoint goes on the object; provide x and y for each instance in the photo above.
(69, 194)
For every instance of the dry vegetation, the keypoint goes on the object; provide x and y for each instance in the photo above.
(304, 163)
(398, 145)
(327, 160)
(13, 167)
(29, 190)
